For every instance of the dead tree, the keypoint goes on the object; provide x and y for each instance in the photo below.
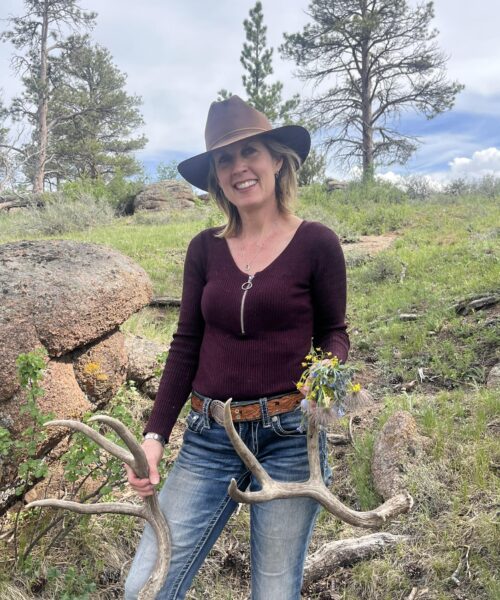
(150, 510)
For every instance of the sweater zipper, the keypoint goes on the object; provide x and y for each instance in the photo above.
(245, 287)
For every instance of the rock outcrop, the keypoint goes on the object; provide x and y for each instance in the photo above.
(69, 298)
(165, 195)
(143, 363)
(397, 445)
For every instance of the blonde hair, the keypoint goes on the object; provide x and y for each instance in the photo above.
(286, 185)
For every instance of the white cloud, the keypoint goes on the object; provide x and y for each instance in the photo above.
(431, 183)
(481, 163)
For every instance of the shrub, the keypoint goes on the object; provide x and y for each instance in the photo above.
(379, 192)
(418, 188)
(116, 192)
(57, 217)
(488, 186)
(384, 267)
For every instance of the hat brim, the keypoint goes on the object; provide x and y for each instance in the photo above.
(195, 170)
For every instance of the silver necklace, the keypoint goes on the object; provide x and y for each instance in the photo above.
(260, 246)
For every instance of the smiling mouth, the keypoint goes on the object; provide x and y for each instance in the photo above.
(243, 185)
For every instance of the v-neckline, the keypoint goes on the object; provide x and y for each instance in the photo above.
(290, 242)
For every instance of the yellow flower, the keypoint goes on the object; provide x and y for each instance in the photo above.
(304, 364)
(355, 388)
(91, 368)
(308, 357)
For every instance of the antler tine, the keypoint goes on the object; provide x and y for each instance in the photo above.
(91, 509)
(242, 449)
(99, 439)
(139, 463)
(150, 510)
(313, 453)
(314, 487)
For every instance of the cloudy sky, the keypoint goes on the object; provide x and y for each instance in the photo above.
(178, 54)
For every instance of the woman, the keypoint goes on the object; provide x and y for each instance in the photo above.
(257, 292)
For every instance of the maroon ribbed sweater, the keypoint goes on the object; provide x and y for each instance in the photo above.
(299, 297)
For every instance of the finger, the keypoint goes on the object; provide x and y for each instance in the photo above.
(135, 481)
(154, 476)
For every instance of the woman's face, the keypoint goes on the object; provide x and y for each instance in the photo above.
(246, 173)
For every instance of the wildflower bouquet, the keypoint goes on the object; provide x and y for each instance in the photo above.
(328, 389)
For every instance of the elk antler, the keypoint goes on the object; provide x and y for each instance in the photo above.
(150, 510)
(314, 487)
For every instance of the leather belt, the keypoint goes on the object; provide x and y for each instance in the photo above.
(250, 411)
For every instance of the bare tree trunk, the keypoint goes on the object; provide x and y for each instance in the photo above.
(366, 110)
(42, 105)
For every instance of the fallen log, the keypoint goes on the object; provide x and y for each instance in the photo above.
(163, 301)
(340, 553)
(470, 305)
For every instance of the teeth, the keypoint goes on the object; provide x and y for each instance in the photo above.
(245, 184)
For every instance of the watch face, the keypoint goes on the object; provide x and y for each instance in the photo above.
(155, 436)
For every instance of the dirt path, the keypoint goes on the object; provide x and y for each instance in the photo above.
(371, 244)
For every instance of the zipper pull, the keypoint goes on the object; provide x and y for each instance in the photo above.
(248, 284)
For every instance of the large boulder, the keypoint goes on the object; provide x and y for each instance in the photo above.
(62, 397)
(143, 363)
(165, 195)
(396, 447)
(69, 298)
(63, 295)
(101, 368)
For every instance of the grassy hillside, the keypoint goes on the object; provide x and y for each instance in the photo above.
(444, 250)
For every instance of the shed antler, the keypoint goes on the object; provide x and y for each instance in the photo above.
(314, 487)
(150, 510)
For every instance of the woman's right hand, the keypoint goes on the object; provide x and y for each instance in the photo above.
(154, 453)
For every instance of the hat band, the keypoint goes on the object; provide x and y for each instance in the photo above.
(236, 133)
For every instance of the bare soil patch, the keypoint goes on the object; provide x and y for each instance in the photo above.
(372, 244)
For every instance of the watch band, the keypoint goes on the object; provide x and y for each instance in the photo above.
(150, 435)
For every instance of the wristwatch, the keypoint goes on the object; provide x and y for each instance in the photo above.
(150, 435)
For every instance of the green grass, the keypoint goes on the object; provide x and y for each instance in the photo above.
(456, 490)
(446, 249)
(449, 253)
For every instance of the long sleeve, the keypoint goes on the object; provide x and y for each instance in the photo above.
(182, 362)
(329, 295)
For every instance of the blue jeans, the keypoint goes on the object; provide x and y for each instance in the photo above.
(196, 504)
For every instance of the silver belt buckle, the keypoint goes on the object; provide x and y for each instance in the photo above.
(217, 411)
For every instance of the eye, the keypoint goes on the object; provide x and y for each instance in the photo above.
(222, 159)
(248, 150)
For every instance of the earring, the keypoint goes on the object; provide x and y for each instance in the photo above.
(276, 175)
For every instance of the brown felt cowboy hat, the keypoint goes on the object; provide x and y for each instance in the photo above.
(233, 120)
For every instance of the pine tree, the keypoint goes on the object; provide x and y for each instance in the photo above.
(256, 59)
(371, 61)
(40, 33)
(94, 117)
